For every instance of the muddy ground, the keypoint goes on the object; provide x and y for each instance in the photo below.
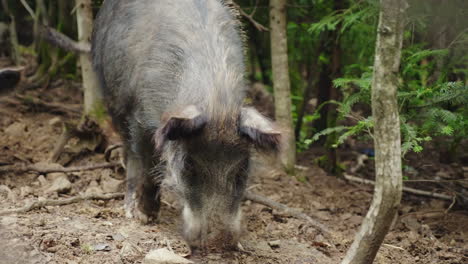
(96, 231)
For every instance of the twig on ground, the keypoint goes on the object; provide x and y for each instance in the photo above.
(35, 102)
(405, 189)
(360, 163)
(287, 210)
(50, 168)
(451, 205)
(41, 203)
(392, 246)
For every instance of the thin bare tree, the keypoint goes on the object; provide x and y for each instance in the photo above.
(92, 95)
(281, 81)
(388, 187)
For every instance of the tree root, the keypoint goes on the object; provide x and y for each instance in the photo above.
(61, 143)
(42, 203)
(87, 129)
(287, 210)
(50, 168)
(109, 149)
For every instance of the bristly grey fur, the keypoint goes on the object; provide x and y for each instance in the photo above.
(170, 63)
(172, 74)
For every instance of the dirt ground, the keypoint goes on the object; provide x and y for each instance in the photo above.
(426, 230)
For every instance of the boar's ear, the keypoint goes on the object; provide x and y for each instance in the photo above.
(259, 129)
(179, 124)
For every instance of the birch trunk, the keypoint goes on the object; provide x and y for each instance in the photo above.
(92, 95)
(388, 187)
(281, 82)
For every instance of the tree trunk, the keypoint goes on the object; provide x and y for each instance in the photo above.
(92, 95)
(281, 82)
(14, 51)
(387, 194)
(312, 76)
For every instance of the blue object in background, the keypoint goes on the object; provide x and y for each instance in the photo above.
(368, 151)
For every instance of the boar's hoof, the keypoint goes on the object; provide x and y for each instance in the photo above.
(133, 212)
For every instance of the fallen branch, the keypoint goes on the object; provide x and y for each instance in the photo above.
(62, 41)
(35, 102)
(405, 189)
(257, 25)
(56, 38)
(286, 210)
(49, 168)
(42, 203)
(360, 163)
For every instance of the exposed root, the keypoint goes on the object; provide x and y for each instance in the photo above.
(86, 130)
(66, 135)
(108, 151)
(41, 203)
(287, 210)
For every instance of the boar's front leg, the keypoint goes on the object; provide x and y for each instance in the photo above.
(142, 198)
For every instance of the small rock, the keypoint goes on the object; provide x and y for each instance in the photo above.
(60, 185)
(55, 121)
(5, 193)
(118, 237)
(411, 223)
(15, 129)
(93, 188)
(453, 243)
(102, 247)
(129, 249)
(109, 184)
(346, 216)
(274, 243)
(262, 246)
(52, 249)
(355, 220)
(25, 191)
(164, 256)
(54, 175)
(42, 180)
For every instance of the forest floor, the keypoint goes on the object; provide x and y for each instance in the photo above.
(96, 231)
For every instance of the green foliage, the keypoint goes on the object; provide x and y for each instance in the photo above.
(359, 12)
(426, 112)
(432, 94)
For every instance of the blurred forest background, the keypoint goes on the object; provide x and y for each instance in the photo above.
(331, 45)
